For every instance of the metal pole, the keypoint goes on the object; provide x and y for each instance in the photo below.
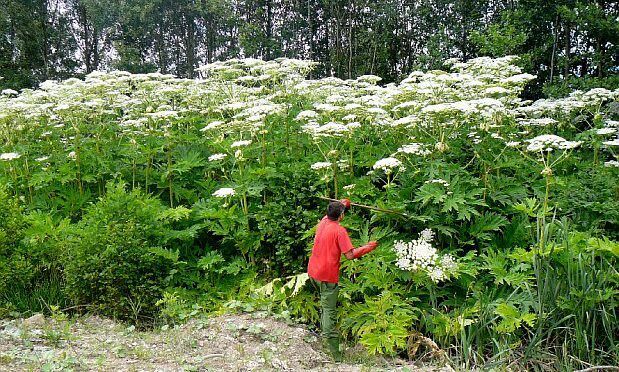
(367, 206)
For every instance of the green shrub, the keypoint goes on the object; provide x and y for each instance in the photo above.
(15, 270)
(116, 261)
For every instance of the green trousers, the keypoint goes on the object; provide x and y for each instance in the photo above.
(328, 317)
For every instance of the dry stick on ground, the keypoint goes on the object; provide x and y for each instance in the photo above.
(599, 368)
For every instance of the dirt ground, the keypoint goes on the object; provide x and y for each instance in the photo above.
(246, 342)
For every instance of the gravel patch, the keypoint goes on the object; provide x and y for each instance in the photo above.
(243, 342)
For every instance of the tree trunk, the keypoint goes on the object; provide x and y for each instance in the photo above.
(568, 43)
(269, 29)
(554, 47)
(190, 45)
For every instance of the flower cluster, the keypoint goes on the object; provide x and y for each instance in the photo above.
(387, 165)
(216, 157)
(415, 149)
(420, 255)
(8, 156)
(224, 192)
(240, 143)
(321, 165)
(548, 142)
(440, 181)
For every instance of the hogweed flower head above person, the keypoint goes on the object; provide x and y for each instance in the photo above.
(387, 165)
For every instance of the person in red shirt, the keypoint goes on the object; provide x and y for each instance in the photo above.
(330, 243)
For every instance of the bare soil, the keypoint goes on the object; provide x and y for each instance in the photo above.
(245, 342)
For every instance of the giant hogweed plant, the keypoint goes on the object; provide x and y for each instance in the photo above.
(250, 143)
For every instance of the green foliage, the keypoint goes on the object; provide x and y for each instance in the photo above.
(115, 260)
(381, 322)
(15, 268)
(243, 176)
(499, 40)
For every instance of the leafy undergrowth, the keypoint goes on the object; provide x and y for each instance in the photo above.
(230, 342)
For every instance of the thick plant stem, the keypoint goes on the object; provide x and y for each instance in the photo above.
(27, 179)
(542, 240)
(133, 166)
(150, 160)
(170, 177)
(335, 179)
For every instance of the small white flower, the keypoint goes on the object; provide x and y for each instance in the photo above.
(216, 157)
(415, 149)
(440, 181)
(612, 163)
(321, 165)
(212, 125)
(437, 274)
(240, 143)
(614, 142)
(427, 235)
(72, 155)
(42, 158)
(9, 92)
(307, 114)
(349, 187)
(224, 192)
(603, 131)
(8, 156)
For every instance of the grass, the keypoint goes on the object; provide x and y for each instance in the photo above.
(48, 291)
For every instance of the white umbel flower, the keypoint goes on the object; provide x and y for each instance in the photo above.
(321, 165)
(216, 157)
(9, 92)
(548, 142)
(387, 165)
(224, 192)
(420, 255)
(8, 156)
(415, 149)
(240, 143)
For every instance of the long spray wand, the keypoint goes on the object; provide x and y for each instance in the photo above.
(367, 207)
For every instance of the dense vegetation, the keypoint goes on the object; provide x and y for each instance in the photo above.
(150, 198)
(564, 42)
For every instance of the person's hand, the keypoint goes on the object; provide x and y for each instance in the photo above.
(362, 251)
(346, 203)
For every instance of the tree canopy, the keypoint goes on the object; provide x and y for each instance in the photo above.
(56, 39)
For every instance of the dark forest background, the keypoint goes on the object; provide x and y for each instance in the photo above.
(569, 44)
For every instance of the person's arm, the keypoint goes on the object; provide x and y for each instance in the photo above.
(361, 251)
(346, 247)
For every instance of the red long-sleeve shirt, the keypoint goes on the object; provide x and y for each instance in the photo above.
(330, 243)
